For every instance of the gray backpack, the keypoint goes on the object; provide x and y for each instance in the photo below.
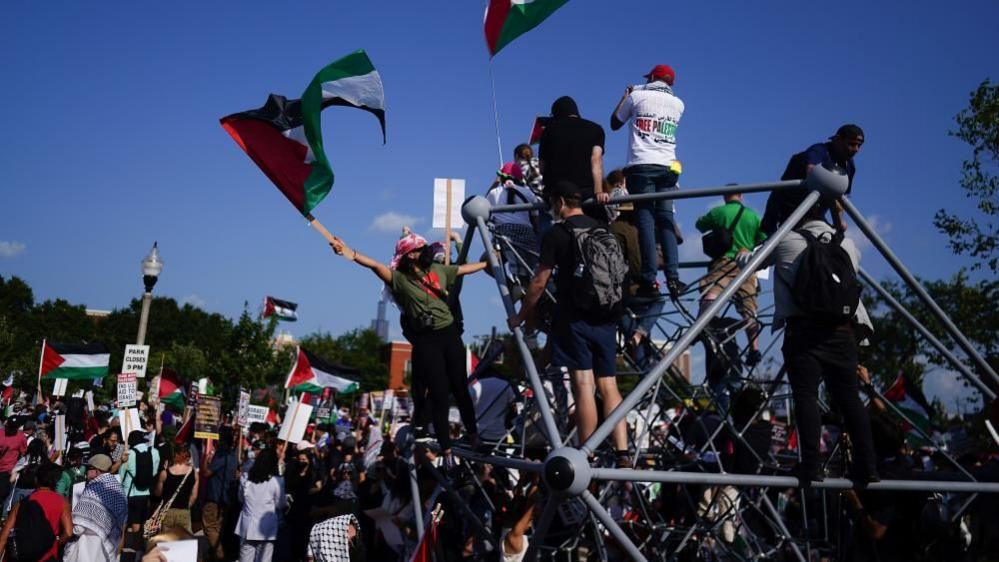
(600, 269)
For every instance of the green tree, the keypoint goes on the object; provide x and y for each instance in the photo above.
(978, 125)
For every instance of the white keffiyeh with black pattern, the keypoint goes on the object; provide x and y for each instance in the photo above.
(102, 509)
(329, 541)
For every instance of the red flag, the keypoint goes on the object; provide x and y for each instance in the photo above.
(539, 127)
(425, 550)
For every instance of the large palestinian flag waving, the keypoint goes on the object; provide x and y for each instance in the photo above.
(68, 361)
(284, 137)
(284, 310)
(310, 373)
(171, 391)
(507, 20)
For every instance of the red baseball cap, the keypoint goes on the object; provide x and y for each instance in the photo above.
(662, 72)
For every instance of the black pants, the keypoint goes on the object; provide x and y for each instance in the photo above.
(821, 353)
(439, 370)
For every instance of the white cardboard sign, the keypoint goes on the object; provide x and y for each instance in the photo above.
(296, 419)
(256, 414)
(136, 359)
(242, 412)
(441, 200)
(59, 387)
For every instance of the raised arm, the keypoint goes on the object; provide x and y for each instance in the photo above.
(380, 269)
(467, 268)
(597, 169)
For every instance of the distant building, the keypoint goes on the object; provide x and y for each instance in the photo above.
(97, 314)
(682, 363)
(282, 340)
(380, 324)
(398, 356)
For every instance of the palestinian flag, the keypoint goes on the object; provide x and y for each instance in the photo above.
(908, 397)
(507, 20)
(284, 310)
(284, 137)
(171, 390)
(539, 127)
(310, 373)
(76, 362)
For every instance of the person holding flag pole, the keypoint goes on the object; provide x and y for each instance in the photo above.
(420, 287)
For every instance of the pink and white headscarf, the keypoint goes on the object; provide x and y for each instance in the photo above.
(405, 245)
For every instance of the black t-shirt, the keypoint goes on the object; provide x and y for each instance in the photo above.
(566, 147)
(557, 251)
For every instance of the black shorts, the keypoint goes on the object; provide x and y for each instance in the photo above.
(138, 506)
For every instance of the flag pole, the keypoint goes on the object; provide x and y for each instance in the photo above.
(314, 223)
(492, 84)
(41, 361)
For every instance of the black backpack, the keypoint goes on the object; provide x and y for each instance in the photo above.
(143, 477)
(31, 536)
(718, 241)
(600, 269)
(826, 286)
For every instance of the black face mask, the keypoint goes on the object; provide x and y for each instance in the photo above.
(426, 258)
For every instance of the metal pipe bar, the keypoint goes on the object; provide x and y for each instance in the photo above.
(506, 462)
(549, 427)
(783, 528)
(664, 195)
(612, 527)
(690, 335)
(913, 284)
(462, 258)
(715, 479)
(541, 529)
(960, 366)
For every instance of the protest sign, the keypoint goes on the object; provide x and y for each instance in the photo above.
(135, 360)
(323, 414)
(244, 405)
(179, 551)
(129, 420)
(255, 414)
(448, 193)
(296, 419)
(60, 433)
(90, 400)
(59, 387)
(389, 399)
(377, 399)
(207, 416)
(126, 390)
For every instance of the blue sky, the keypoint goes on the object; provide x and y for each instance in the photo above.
(111, 136)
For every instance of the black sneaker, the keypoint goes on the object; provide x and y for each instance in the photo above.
(675, 287)
(806, 475)
(753, 358)
(648, 291)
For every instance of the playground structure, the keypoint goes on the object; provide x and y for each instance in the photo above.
(575, 486)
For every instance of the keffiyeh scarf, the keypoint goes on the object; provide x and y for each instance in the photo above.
(329, 541)
(102, 510)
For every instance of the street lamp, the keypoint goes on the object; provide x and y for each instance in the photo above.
(151, 268)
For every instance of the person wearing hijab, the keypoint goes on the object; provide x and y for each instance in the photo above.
(421, 289)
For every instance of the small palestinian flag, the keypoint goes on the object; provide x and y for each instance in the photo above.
(284, 310)
(310, 373)
(507, 20)
(171, 391)
(908, 397)
(76, 362)
(284, 137)
(539, 127)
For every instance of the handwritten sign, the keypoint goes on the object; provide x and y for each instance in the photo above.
(243, 410)
(255, 414)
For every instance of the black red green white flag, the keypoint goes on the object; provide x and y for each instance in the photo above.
(77, 362)
(311, 373)
(507, 20)
(284, 310)
(908, 397)
(284, 137)
(171, 390)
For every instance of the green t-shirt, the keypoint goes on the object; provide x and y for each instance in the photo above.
(70, 476)
(747, 233)
(426, 298)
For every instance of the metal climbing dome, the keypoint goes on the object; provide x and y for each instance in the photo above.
(736, 515)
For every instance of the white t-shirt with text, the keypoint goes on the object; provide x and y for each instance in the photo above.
(654, 112)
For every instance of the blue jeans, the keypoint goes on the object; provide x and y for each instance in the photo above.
(642, 315)
(654, 219)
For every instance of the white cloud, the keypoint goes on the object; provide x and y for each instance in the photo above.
(11, 249)
(880, 226)
(392, 222)
(194, 300)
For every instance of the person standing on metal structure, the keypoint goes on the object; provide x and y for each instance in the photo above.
(572, 149)
(732, 229)
(817, 301)
(584, 335)
(654, 111)
(839, 150)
